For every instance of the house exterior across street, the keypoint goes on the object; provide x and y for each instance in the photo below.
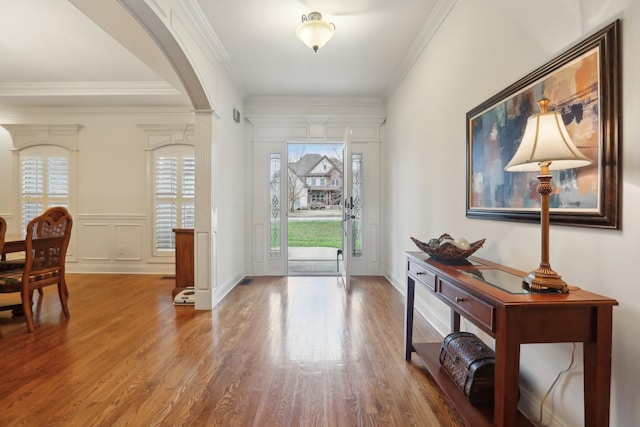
(315, 182)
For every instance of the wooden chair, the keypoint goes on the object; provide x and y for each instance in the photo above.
(3, 233)
(4, 263)
(17, 308)
(46, 245)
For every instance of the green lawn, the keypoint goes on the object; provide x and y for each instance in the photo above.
(315, 233)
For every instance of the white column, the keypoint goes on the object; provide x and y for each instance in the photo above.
(206, 210)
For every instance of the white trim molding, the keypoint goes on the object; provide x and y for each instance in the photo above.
(65, 136)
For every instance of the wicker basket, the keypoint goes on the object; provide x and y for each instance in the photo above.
(448, 251)
(471, 365)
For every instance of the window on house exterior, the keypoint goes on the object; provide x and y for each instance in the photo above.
(313, 182)
(44, 180)
(174, 195)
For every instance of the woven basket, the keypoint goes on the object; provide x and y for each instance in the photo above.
(471, 365)
(448, 251)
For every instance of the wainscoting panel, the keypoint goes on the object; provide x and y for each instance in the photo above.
(259, 248)
(374, 244)
(364, 133)
(128, 242)
(276, 132)
(95, 242)
(116, 244)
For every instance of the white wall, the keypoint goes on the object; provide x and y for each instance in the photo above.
(483, 47)
(112, 213)
(194, 51)
(275, 121)
(112, 216)
(231, 187)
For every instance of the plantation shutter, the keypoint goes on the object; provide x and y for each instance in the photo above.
(174, 194)
(166, 210)
(32, 174)
(188, 192)
(40, 169)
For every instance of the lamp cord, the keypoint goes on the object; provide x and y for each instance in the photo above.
(560, 374)
(564, 371)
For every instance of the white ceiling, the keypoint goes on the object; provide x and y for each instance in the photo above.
(81, 53)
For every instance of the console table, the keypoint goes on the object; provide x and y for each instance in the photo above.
(184, 259)
(491, 296)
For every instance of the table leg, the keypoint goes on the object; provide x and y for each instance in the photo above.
(597, 371)
(408, 318)
(455, 321)
(507, 371)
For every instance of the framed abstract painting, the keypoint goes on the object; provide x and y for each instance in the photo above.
(583, 84)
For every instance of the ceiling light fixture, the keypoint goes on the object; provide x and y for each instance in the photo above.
(314, 32)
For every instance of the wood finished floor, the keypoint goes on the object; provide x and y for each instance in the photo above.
(280, 351)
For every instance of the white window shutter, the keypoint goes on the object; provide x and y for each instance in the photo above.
(44, 180)
(188, 192)
(174, 205)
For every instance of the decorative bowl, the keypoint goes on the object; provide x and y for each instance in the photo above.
(447, 251)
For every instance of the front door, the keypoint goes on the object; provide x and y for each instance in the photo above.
(314, 208)
(347, 210)
(351, 230)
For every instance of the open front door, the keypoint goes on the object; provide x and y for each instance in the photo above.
(347, 206)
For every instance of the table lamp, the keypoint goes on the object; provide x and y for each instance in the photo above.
(545, 146)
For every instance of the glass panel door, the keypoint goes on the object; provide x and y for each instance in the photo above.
(314, 208)
(347, 211)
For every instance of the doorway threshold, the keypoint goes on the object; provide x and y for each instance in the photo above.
(313, 261)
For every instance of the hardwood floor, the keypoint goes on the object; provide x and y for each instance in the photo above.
(280, 351)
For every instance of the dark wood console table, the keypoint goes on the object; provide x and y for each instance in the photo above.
(491, 296)
(184, 259)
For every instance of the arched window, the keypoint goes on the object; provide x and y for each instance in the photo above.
(44, 180)
(45, 158)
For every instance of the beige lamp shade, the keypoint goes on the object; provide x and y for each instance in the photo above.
(546, 140)
(314, 32)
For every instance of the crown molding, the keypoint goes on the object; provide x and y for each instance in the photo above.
(214, 48)
(428, 30)
(18, 115)
(87, 89)
(29, 135)
(293, 106)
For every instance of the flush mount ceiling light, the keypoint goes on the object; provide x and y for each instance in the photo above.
(314, 32)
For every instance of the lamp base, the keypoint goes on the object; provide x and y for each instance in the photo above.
(544, 279)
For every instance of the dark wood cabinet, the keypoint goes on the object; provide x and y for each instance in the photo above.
(491, 296)
(184, 259)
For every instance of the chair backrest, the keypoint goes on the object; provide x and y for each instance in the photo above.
(3, 232)
(47, 241)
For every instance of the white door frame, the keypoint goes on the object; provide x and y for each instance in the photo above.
(264, 264)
